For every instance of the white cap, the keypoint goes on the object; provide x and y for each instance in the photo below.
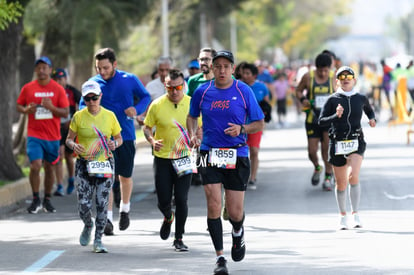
(91, 87)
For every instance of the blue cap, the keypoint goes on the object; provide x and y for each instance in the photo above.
(194, 64)
(44, 59)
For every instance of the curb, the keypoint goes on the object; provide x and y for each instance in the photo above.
(14, 195)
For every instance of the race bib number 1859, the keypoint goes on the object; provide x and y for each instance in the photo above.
(223, 157)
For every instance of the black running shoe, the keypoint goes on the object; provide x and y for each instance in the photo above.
(166, 227)
(116, 191)
(109, 228)
(238, 248)
(221, 268)
(180, 246)
(35, 206)
(48, 207)
(124, 221)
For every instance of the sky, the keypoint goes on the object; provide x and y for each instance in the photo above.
(369, 16)
(368, 40)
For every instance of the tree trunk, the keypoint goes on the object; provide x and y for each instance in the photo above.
(81, 70)
(9, 45)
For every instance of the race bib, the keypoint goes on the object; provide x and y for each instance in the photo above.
(320, 101)
(43, 113)
(225, 158)
(346, 147)
(183, 166)
(100, 169)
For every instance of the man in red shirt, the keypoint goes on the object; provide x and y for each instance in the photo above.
(45, 102)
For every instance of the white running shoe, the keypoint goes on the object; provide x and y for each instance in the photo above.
(357, 221)
(343, 223)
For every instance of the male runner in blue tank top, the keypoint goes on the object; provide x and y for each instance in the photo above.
(229, 111)
(119, 89)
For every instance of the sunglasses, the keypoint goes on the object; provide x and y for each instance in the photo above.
(345, 76)
(172, 88)
(89, 98)
(204, 59)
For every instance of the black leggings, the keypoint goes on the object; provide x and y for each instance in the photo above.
(166, 180)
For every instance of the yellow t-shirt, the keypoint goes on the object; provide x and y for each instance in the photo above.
(170, 122)
(93, 132)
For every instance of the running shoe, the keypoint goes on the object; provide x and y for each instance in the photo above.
(124, 221)
(59, 191)
(327, 184)
(109, 228)
(252, 185)
(117, 196)
(224, 214)
(357, 221)
(221, 268)
(238, 248)
(71, 186)
(316, 176)
(85, 236)
(180, 246)
(343, 223)
(47, 206)
(35, 206)
(166, 227)
(98, 247)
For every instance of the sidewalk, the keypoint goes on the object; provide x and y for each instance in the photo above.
(13, 196)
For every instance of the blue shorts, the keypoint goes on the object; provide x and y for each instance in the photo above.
(232, 179)
(124, 159)
(42, 149)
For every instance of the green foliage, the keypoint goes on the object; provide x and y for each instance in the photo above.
(299, 27)
(9, 12)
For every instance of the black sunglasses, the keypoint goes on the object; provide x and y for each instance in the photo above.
(89, 98)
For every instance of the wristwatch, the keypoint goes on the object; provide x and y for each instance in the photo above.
(242, 130)
(116, 143)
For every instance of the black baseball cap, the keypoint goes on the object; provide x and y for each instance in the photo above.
(226, 54)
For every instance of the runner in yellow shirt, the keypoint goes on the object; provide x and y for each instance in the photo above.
(98, 134)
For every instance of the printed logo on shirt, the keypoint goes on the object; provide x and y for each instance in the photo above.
(44, 94)
(220, 104)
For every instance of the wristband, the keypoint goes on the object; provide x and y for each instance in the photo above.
(242, 129)
(73, 148)
(116, 143)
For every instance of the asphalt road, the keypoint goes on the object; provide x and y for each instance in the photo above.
(290, 227)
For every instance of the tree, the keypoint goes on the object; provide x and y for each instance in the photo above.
(10, 37)
(9, 12)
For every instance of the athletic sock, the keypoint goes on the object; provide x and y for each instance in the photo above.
(341, 200)
(110, 215)
(354, 196)
(125, 207)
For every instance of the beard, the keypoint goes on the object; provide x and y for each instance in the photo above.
(205, 69)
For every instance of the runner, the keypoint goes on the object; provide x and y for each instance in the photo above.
(94, 127)
(171, 150)
(343, 113)
(319, 84)
(229, 112)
